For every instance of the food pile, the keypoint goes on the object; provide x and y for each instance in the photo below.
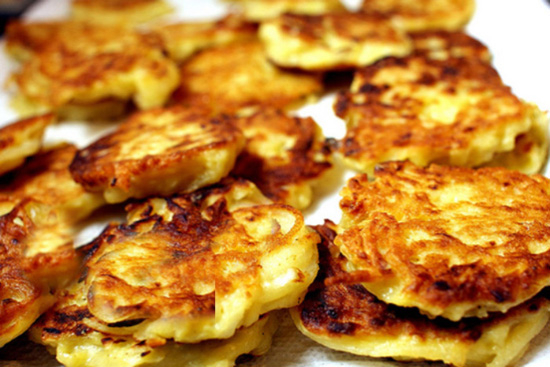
(443, 249)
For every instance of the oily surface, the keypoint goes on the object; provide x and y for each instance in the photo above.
(451, 111)
(340, 313)
(453, 242)
(182, 148)
(332, 41)
(226, 79)
(198, 266)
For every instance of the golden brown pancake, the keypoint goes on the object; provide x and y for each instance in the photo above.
(45, 177)
(441, 45)
(284, 155)
(454, 111)
(20, 140)
(454, 242)
(339, 313)
(64, 330)
(118, 12)
(36, 256)
(415, 15)
(199, 266)
(185, 39)
(261, 10)
(89, 67)
(332, 41)
(228, 78)
(159, 152)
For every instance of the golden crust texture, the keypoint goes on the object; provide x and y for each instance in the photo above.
(453, 242)
(45, 177)
(284, 155)
(36, 255)
(198, 266)
(332, 41)
(261, 10)
(340, 313)
(64, 329)
(452, 111)
(227, 79)
(182, 40)
(442, 45)
(118, 12)
(20, 140)
(87, 66)
(159, 152)
(415, 15)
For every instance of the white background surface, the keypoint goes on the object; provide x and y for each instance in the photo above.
(516, 31)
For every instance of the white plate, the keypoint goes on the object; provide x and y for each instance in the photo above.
(516, 32)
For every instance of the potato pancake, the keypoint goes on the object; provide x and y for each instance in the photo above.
(182, 40)
(284, 155)
(45, 177)
(64, 331)
(20, 140)
(88, 66)
(441, 45)
(339, 313)
(332, 41)
(198, 266)
(227, 79)
(422, 15)
(159, 152)
(454, 242)
(36, 256)
(454, 111)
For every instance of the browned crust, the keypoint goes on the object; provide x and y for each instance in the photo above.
(369, 136)
(214, 78)
(312, 28)
(9, 134)
(186, 251)
(337, 305)
(98, 166)
(26, 280)
(44, 177)
(453, 44)
(509, 204)
(306, 160)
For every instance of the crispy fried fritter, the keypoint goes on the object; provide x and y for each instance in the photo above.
(421, 15)
(454, 111)
(340, 313)
(198, 266)
(283, 155)
(64, 330)
(261, 10)
(159, 152)
(185, 39)
(20, 140)
(332, 41)
(441, 45)
(36, 255)
(118, 12)
(24, 40)
(85, 66)
(46, 178)
(451, 241)
(230, 78)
